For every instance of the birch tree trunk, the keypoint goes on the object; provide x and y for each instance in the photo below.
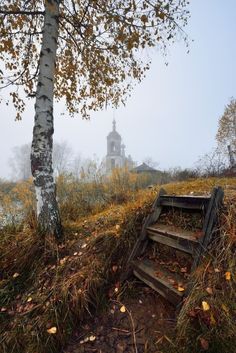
(41, 151)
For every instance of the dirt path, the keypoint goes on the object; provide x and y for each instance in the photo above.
(140, 324)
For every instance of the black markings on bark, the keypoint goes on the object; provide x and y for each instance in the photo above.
(45, 98)
(41, 157)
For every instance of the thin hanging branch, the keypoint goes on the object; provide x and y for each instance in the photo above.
(21, 12)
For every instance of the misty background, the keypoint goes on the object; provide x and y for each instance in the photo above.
(172, 116)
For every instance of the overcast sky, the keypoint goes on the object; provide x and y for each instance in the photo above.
(172, 115)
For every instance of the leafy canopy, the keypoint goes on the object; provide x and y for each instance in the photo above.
(226, 134)
(100, 47)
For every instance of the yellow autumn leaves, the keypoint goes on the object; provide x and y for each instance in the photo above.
(122, 309)
(180, 289)
(52, 330)
(228, 276)
(16, 274)
(205, 306)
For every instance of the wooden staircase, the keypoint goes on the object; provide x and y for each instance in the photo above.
(157, 271)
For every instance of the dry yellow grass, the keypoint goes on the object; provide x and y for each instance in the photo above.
(59, 286)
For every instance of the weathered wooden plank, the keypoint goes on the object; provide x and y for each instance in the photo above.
(140, 244)
(192, 197)
(209, 223)
(174, 240)
(211, 218)
(174, 232)
(148, 275)
(188, 202)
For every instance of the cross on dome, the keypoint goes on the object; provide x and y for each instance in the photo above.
(114, 125)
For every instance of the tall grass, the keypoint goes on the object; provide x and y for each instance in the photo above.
(213, 330)
(76, 197)
(43, 285)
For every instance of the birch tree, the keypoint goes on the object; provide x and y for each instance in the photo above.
(88, 53)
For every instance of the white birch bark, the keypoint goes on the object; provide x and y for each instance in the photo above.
(42, 144)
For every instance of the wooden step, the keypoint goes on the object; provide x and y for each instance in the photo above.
(174, 237)
(185, 201)
(161, 280)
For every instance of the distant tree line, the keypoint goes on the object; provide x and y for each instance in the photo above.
(221, 160)
(64, 162)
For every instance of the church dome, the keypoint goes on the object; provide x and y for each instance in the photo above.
(114, 134)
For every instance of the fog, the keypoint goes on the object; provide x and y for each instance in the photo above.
(171, 116)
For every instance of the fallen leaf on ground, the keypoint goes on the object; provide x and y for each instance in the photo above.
(85, 340)
(123, 309)
(29, 300)
(52, 330)
(209, 290)
(62, 261)
(204, 344)
(16, 275)
(205, 306)
(183, 270)
(181, 289)
(114, 268)
(92, 338)
(228, 276)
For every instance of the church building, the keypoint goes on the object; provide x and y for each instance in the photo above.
(115, 157)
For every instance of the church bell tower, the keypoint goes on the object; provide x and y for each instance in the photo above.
(115, 157)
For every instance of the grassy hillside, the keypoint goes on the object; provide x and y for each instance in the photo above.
(47, 290)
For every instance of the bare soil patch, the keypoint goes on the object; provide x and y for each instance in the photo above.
(145, 326)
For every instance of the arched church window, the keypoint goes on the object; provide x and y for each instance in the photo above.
(113, 146)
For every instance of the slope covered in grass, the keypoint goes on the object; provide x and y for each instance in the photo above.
(47, 290)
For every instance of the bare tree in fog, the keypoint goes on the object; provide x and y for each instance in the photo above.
(20, 160)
